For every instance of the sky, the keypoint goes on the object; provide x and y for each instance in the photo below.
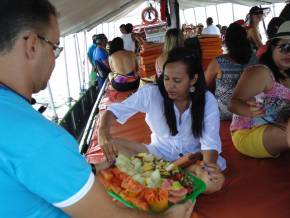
(78, 68)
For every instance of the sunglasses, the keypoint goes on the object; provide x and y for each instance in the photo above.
(257, 13)
(56, 48)
(284, 48)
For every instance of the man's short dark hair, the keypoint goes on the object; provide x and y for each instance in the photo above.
(19, 15)
(94, 37)
(209, 21)
(122, 26)
(100, 38)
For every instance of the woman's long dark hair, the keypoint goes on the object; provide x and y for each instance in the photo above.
(267, 59)
(117, 44)
(193, 66)
(238, 45)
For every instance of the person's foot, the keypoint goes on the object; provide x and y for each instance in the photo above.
(210, 174)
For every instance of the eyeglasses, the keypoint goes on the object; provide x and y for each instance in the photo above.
(56, 48)
(284, 48)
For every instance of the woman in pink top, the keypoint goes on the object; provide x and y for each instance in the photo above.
(261, 93)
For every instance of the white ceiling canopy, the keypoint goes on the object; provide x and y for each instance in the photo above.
(197, 3)
(79, 15)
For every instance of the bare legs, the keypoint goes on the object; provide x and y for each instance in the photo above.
(274, 139)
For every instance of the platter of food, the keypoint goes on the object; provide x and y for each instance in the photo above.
(149, 183)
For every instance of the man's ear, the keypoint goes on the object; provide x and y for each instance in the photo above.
(31, 45)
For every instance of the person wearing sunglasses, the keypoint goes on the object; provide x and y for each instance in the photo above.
(254, 17)
(272, 29)
(259, 97)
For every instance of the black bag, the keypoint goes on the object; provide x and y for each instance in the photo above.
(102, 70)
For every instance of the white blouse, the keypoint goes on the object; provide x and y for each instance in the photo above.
(148, 100)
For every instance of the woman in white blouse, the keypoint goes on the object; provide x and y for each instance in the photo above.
(181, 114)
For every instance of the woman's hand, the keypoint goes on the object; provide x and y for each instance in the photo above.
(256, 111)
(108, 146)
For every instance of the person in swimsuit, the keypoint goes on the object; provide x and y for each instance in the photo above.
(255, 16)
(124, 67)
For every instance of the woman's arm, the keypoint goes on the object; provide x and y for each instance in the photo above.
(209, 156)
(104, 135)
(253, 81)
(211, 73)
(136, 64)
(254, 35)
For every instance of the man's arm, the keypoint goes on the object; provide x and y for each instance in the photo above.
(106, 62)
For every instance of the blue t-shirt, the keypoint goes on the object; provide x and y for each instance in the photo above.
(99, 56)
(41, 169)
(91, 52)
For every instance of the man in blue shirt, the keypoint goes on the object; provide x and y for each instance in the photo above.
(92, 49)
(100, 59)
(42, 173)
(90, 57)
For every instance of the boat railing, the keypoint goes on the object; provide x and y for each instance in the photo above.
(88, 131)
(76, 118)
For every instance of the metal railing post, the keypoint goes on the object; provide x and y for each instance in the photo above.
(194, 16)
(78, 60)
(233, 11)
(86, 58)
(69, 98)
(217, 14)
(54, 117)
